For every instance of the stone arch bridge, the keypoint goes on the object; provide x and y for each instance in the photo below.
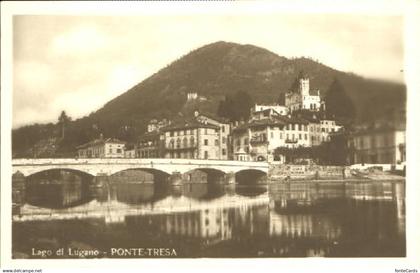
(174, 168)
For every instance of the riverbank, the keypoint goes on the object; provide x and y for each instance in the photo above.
(316, 173)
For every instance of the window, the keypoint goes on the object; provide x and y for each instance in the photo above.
(192, 141)
(110, 151)
(206, 142)
(300, 136)
(206, 154)
(223, 140)
(272, 135)
(119, 151)
(281, 135)
(223, 151)
(171, 133)
(223, 128)
(216, 142)
(185, 142)
(205, 131)
(306, 137)
(178, 143)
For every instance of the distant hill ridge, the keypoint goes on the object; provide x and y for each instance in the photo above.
(219, 69)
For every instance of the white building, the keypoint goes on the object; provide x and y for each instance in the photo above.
(192, 139)
(156, 125)
(224, 132)
(192, 96)
(303, 99)
(259, 138)
(320, 130)
(102, 148)
(278, 109)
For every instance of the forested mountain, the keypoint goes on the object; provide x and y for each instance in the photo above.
(213, 71)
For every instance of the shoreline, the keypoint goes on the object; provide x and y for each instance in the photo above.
(273, 181)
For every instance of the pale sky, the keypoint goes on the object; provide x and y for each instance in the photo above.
(77, 63)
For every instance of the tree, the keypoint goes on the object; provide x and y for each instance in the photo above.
(338, 104)
(63, 121)
(282, 99)
(237, 107)
(242, 104)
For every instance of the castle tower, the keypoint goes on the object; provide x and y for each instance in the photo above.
(304, 86)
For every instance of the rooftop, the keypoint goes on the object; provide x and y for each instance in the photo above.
(188, 124)
(100, 141)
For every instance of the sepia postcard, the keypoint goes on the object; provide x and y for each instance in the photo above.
(207, 135)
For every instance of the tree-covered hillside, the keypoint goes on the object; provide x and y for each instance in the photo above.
(213, 71)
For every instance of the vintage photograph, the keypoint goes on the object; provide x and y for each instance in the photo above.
(208, 136)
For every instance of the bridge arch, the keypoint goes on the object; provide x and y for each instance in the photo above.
(250, 177)
(45, 170)
(147, 175)
(58, 188)
(144, 169)
(201, 175)
(248, 169)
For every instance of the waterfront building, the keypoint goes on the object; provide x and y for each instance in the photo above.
(129, 151)
(102, 148)
(377, 145)
(150, 145)
(259, 138)
(191, 139)
(303, 98)
(224, 132)
(203, 136)
(321, 129)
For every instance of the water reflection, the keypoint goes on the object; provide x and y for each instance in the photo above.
(58, 189)
(215, 220)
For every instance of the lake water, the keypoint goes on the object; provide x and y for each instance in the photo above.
(69, 218)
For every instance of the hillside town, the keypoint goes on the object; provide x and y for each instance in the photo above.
(274, 133)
